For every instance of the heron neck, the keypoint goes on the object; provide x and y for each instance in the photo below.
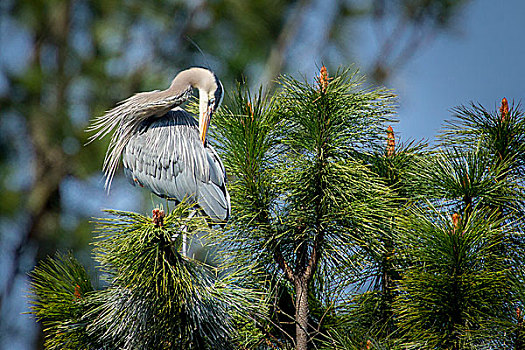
(195, 77)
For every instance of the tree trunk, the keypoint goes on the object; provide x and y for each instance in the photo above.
(301, 313)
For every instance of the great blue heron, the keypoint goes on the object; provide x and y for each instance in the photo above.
(162, 146)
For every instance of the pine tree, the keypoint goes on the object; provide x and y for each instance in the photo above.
(153, 297)
(304, 200)
(367, 319)
(463, 244)
(458, 263)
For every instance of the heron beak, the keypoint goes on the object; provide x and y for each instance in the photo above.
(204, 123)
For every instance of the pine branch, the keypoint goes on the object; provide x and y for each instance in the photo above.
(455, 270)
(315, 256)
(155, 297)
(279, 258)
(60, 291)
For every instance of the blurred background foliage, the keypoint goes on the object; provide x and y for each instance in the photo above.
(66, 61)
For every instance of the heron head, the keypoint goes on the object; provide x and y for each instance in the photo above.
(210, 98)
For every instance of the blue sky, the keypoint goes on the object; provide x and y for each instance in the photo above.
(482, 60)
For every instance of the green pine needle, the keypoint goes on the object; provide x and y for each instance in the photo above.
(155, 298)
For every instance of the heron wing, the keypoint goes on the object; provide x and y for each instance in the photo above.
(126, 118)
(213, 196)
(166, 156)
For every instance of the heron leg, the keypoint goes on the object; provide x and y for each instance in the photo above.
(184, 229)
(185, 236)
(167, 205)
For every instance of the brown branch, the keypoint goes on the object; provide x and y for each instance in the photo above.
(278, 323)
(268, 334)
(320, 322)
(315, 255)
(301, 257)
(276, 59)
(49, 162)
(279, 258)
(414, 42)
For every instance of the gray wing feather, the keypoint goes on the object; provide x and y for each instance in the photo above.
(167, 156)
(126, 118)
(214, 197)
(213, 201)
(216, 169)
